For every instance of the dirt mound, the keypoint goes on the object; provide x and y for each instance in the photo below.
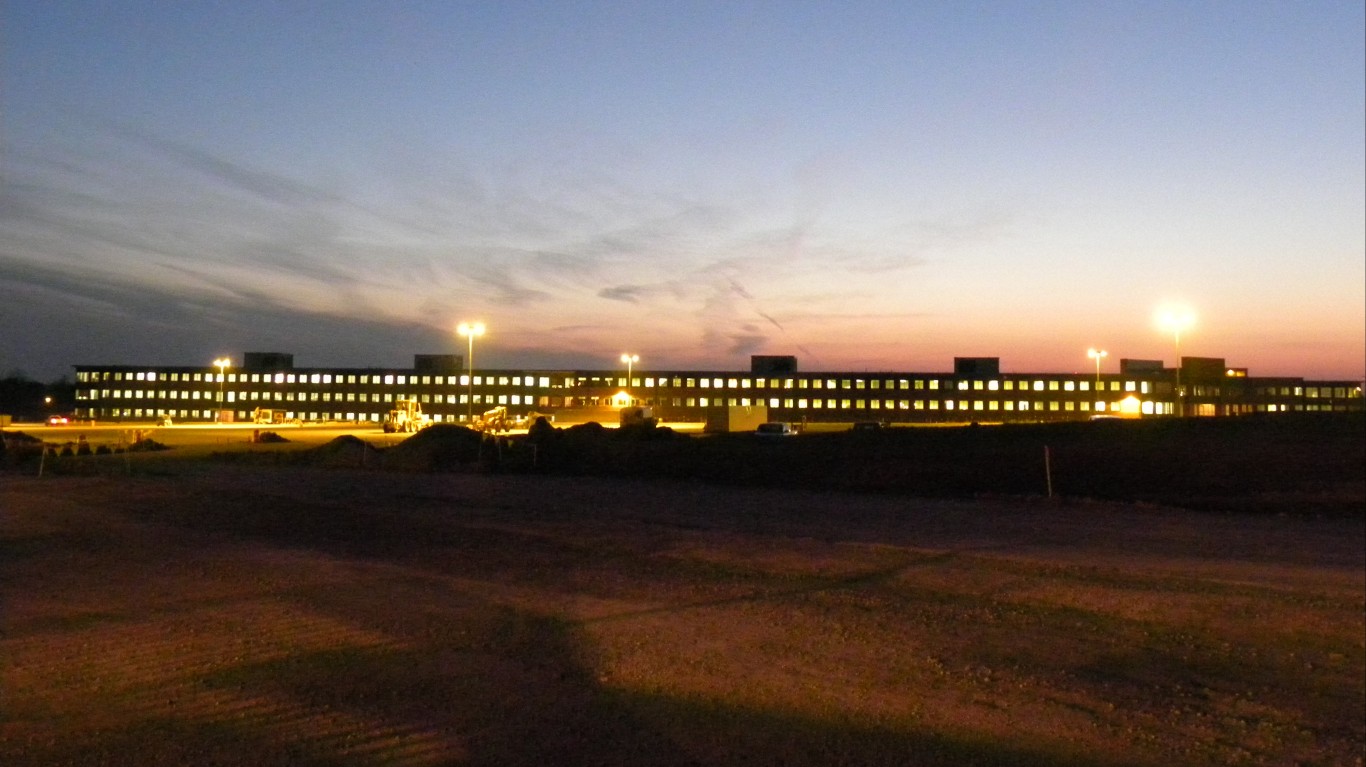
(441, 446)
(146, 445)
(18, 437)
(17, 448)
(346, 450)
(270, 437)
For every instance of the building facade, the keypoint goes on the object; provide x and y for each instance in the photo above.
(976, 391)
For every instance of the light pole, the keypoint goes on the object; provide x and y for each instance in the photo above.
(1176, 320)
(629, 359)
(1097, 356)
(470, 331)
(222, 363)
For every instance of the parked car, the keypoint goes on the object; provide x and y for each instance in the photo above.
(58, 420)
(774, 429)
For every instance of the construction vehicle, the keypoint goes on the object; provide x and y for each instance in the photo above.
(493, 421)
(637, 415)
(406, 416)
(529, 420)
(274, 417)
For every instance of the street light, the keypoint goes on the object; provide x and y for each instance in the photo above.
(629, 359)
(1176, 320)
(221, 363)
(1097, 356)
(470, 331)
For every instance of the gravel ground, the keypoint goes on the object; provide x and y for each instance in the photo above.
(242, 615)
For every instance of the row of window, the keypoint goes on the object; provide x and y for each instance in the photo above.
(1160, 408)
(388, 379)
(1130, 404)
(678, 382)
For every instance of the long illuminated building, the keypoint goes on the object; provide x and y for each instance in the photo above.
(976, 391)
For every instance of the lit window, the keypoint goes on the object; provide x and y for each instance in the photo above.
(1069, 386)
(962, 386)
(1038, 386)
(993, 385)
(1085, 386)
(977, 385)
(977, 404)
(1052, 385)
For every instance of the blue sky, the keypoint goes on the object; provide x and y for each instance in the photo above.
(876, 186)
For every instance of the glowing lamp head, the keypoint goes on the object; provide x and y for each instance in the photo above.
(1175, 320)
(630, 358)
(471, 330)
(1097, 355)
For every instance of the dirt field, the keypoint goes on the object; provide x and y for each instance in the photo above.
(254, 615)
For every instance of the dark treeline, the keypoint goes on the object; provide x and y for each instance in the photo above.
(27, 400)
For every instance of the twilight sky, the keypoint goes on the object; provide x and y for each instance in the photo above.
(867, 185)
